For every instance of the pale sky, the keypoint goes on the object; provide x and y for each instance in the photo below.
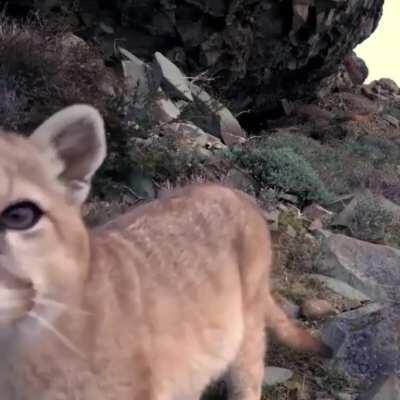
(381, 51)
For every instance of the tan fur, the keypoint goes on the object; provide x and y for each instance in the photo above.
(152, 306)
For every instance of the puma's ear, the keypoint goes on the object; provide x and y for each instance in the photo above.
(74, 141)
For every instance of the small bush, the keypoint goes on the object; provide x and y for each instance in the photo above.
(370, 219)
(367, 162)
(282, 168)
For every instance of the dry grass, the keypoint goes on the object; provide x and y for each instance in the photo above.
(40, 73)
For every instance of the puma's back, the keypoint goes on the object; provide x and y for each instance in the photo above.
(154, 305)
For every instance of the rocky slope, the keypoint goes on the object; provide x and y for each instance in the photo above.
(324, 168)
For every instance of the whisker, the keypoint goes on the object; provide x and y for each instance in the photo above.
(49, 302)
(46, 324)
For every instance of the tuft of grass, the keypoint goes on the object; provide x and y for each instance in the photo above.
(333, 381)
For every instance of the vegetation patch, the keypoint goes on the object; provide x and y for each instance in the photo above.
(339, 167)
(42, 71)
(284, 169)
(370, 219)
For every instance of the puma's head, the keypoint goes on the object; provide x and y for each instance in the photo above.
(45, 178)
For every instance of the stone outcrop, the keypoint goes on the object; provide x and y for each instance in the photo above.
(258, 52)
(370, 268)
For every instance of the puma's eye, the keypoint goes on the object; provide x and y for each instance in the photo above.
(20, 216)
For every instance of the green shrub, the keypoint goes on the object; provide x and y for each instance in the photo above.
(283, 169)
(344, 166)
(370, 219)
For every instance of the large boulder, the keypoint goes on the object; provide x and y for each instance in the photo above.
(372, 269)
(365, 342)
(258, 52)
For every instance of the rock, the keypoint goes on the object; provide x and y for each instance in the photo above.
(382, 89)
(356, 69)
(373, 269)
(340, 287)
(384, 388)
(321, 234)
(71, 42)
(164, 110)
(193, 136)
(222, 123)
(272, 217)
(315, 211)
(291, 309)
(290, 198)
(392, 120)
(283, 207)
(365, 341)
(174, 78)
(317, 309)
(105, 28)
(137, 77)
(107, 86)
(255, 50)
(275, 375)
(389, 85)
(316, 225)
(141, 186)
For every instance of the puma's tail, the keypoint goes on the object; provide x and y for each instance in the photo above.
(289, 333)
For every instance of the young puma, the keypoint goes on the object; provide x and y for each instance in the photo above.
(152, 306)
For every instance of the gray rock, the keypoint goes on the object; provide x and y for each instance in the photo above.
(365, 341)
(193, 136)
(173, 76)
(276, 375)
(222, 123)
(321, 234)
(247, 46)
(141, 186)
(105, 28)
(291, 309)
(69, 40)
(136, 74)
(370, 268)
(272, 217)
(392, 120)
(315, 211)
(291, 198)
(317, 309)
(340, 287)
(384, 388)
(164, 109)
(389, 84)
